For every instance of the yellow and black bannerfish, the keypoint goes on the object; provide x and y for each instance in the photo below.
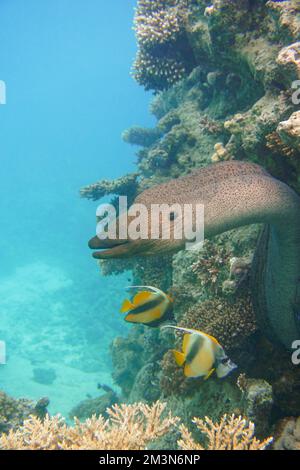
(150, 306)
(202, 355)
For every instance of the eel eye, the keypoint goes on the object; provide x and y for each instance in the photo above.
(172, 216)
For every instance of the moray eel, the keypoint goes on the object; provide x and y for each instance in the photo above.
(236, 194)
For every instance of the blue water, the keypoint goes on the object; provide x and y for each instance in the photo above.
(66, 65)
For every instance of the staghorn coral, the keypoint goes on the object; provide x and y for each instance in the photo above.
(129, 427)
(13, 412)
(232, 433)
(126, 185)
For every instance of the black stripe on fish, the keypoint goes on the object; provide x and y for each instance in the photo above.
(147, 306)
(196, 346)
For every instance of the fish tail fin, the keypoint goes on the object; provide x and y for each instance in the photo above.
(179, 357)
(126, 306)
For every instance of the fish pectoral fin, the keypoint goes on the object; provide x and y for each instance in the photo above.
(126, 306)
(179, 357)
(210, 373)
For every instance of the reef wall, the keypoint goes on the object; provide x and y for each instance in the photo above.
(224, 75)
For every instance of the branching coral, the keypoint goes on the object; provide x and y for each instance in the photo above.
(140, 136)
(159, 22)
(129, 427)
(160, 29)
(232, 433)
(126, 185)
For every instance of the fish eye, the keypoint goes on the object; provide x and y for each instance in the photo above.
(172, 216)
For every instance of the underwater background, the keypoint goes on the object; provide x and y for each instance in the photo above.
(69, 96)
(214, 87)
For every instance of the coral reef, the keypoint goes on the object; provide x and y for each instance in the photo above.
(14, 412)
(232, 433)
(228, 96)
(129, 427)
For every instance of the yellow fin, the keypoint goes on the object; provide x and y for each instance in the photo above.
(126, 306)
(141, 297)
(185, 343)
(209, 374)
(179, 357)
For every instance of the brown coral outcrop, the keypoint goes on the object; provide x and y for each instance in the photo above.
(230, 321)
